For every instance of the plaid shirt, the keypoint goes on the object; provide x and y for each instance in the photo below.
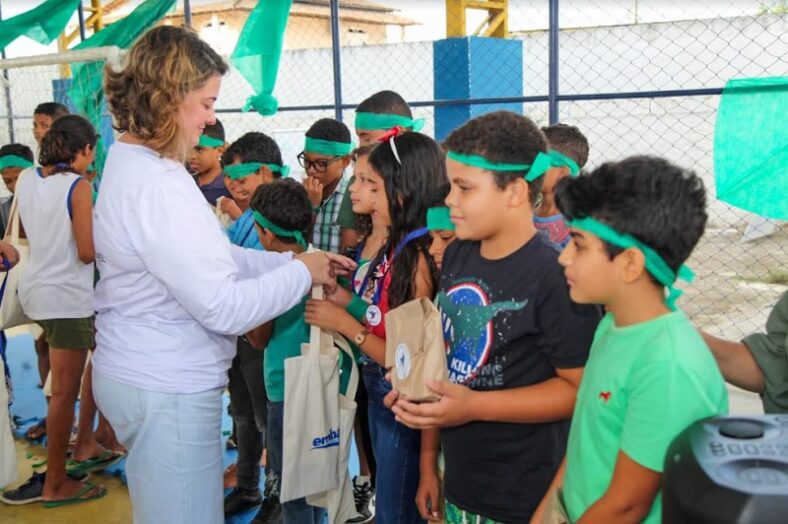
(326, 232)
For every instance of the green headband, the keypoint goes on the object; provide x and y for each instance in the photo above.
(561, 160)
(14, 161)
(209, 141)
(533, 171)
(278, 231)
(382, 121)
(655, 264)
(438, 218)
(239, 171)
(327, 147)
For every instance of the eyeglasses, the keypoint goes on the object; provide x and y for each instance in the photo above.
(320, 165)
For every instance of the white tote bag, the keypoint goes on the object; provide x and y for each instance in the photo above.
(8, 470)
(311, 417)
(340, 502)
(11, 313)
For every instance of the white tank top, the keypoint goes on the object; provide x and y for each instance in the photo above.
(54, 282)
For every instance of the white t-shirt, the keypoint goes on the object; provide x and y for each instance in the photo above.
(174, 293)
(55, 283)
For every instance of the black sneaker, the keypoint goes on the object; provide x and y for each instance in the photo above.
(363, 495)
(32, 490)
(240, 500)
(270, 512)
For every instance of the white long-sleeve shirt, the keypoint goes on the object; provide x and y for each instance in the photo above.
(174, 293)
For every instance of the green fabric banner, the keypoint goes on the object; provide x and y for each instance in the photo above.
(43, 23)
(86, 92)
(751, 146)
(258, 51)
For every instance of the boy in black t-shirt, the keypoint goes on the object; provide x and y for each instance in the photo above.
(516, 343)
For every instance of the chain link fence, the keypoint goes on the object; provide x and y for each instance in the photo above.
(636, 76)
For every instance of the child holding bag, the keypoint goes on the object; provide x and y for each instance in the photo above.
(394, 268)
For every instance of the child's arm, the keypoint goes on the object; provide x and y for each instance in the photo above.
(555, 485)
(428, 497)
(328, 315)
(553, 399)
(82, 221)
(736, 363)
(258, 337)
(628, 497)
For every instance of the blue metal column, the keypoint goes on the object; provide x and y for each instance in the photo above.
(81, 15)
(475, 67)
(552, 89)
(335, 57)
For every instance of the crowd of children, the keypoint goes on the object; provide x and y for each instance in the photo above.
(570, 367)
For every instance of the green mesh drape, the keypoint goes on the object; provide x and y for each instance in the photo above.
(258, 51)
(751, 146)
(43, 23)
(86, 92)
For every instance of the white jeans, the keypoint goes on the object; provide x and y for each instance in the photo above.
(174, 464)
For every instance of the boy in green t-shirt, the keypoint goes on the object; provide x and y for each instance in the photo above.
(649, 374)
(283, 213)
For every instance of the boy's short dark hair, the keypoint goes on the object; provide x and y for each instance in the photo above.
(215, 130)
(329, 129)
(254, 147)
(655, 201)
(53, 109)
(501, 137)
(286, 203)
(568, 140)
(19, 150)
(387, 103)
(438, 197)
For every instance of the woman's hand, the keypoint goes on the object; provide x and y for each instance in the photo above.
(324, 267)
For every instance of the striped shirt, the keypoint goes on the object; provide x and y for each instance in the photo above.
(326, 231)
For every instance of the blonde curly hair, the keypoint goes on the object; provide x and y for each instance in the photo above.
(145, 96)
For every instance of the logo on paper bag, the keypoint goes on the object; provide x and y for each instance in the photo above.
(328, 441)
(403, 361)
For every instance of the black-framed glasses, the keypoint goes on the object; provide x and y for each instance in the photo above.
(320, 165)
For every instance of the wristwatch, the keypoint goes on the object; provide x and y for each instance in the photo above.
(361, 337)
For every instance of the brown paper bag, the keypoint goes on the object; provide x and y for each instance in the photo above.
(415, 350)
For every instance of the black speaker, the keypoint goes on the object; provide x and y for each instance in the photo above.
(728, 470)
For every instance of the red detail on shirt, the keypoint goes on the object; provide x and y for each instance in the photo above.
(605, 395)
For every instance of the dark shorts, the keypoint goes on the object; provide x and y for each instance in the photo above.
(69, 333)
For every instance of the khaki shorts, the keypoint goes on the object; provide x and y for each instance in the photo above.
(69, 333)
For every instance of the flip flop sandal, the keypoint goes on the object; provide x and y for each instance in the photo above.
(40, 430)
(104, 460)
(79, 497)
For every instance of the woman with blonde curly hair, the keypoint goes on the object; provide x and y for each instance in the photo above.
(173, 292)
